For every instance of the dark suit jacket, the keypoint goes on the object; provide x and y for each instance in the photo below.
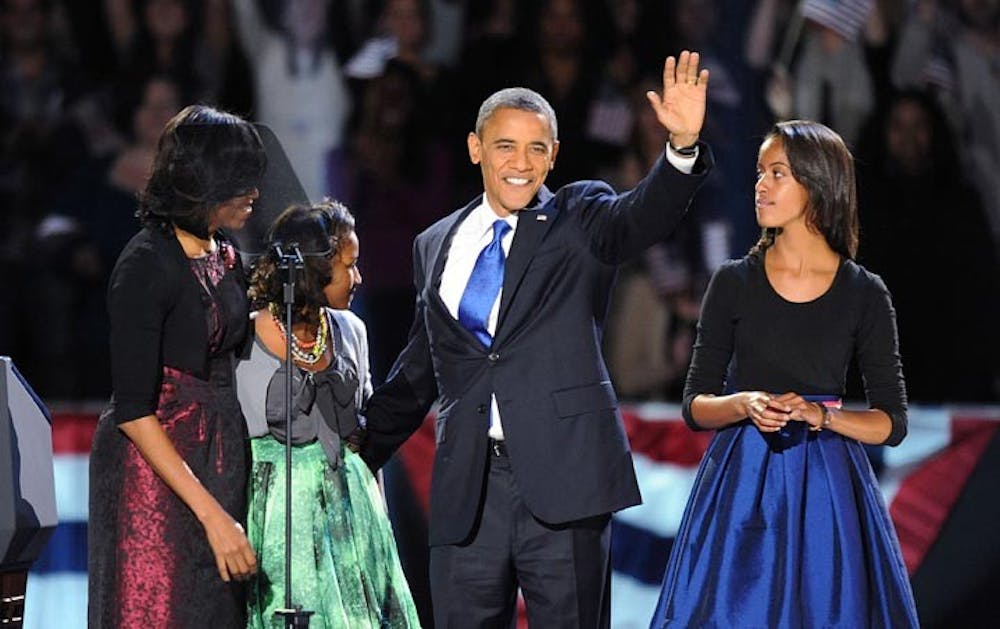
(564, 434)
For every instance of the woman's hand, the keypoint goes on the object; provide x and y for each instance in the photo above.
(768, 412)
(229, 544)
(233, 556)
(802, 410)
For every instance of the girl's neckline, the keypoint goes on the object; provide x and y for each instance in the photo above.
(829, 289)
(335, 347)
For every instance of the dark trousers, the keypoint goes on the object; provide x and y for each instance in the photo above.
(563, 571)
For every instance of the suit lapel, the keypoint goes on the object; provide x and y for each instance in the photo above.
(533, 223)
(438, 256)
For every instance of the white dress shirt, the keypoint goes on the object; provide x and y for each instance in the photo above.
(475, 232)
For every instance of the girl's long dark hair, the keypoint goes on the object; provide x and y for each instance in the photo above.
(822, 163)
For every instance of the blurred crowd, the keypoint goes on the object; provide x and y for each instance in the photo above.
(372, 100)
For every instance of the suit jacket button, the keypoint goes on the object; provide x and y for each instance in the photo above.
(493, 357)
(481, 409)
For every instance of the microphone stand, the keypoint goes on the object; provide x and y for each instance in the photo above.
(289, 261)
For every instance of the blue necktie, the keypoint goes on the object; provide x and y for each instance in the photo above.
(484, 286)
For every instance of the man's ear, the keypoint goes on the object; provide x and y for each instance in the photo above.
(475, 148)
(555, 151)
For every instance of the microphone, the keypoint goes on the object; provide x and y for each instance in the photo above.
(286, 254)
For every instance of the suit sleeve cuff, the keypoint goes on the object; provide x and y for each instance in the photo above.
(681, 163)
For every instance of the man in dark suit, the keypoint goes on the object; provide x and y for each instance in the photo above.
(512, 292)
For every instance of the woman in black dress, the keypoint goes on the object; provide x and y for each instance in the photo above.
(168, 465)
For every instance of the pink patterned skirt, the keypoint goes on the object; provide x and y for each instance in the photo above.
(150, 562)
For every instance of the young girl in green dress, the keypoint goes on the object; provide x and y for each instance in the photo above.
(345, 567)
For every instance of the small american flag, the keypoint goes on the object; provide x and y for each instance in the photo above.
(845, 17)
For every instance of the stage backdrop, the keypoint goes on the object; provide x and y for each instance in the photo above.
(942, 486)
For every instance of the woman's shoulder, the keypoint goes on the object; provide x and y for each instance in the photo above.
(860, 278)
(149, 248)
(730, 281)
(146, 269)
(738, 269)
(861, 291)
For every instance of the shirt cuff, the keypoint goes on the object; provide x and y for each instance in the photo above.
(683, 164)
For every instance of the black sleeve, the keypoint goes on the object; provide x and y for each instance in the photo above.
(621, 226)
(877, 352)
(713, 347)
(138, 301)
(398, 407)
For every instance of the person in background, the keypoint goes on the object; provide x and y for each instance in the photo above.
(914, 195)
(952, 49)
(168, 465)
(345, 565)
(786, 525)
(186, 40)
(299, 86)
(89, 225)
(396, 178)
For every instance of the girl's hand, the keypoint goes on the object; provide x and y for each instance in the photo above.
(765, 410)
(803, 410)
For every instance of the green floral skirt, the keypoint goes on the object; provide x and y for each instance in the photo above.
(345, 567)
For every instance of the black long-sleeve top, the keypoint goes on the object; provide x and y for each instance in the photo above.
(159, 317)
(752, 339)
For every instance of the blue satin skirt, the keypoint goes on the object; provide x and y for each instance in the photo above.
(787, 529)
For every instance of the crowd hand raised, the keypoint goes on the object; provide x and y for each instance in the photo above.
(233, 556)
(681, 107)
(779, 93)
(767, 412)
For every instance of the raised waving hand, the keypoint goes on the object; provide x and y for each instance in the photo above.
(681, 106)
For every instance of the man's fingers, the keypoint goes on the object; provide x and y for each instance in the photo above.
(684, 69)
(682, 66)
(669, 72)
(692, 67)
(661, 111)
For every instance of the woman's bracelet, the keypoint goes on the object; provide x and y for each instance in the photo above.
(826, 416)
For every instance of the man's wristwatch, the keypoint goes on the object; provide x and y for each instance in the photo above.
(687, 151)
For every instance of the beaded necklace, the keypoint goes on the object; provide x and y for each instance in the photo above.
(306, 352)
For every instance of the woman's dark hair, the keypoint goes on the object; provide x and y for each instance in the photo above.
(822, 163)
(204, 157)
(319, 230)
